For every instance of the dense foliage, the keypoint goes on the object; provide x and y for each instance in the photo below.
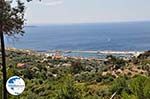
(12, 17)
(70, 78)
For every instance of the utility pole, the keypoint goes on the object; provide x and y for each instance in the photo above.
(3, 51)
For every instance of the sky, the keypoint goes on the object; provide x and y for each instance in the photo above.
(86, 11)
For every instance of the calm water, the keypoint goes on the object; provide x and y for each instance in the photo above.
(133, 36)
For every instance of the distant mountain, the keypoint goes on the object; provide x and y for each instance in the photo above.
(31, 26)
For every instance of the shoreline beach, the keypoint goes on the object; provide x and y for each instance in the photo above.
(83, 54)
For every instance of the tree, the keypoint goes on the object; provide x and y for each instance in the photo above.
(140, 87)
(68, 89)
(119, 86)
(11, 23)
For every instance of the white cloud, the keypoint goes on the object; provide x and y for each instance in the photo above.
(51, 2)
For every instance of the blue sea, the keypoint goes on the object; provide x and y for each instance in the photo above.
(121, 36)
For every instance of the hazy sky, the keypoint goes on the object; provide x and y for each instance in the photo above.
(86, 11)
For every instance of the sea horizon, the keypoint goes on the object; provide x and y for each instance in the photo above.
(79, 23)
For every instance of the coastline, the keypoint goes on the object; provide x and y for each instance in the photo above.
(81, 54)
(109, 52)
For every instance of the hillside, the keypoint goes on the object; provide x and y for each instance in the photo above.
(50, 77)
